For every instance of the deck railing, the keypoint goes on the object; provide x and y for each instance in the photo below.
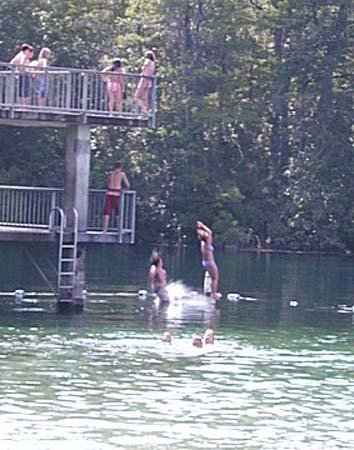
(68, 90)
(29, 207)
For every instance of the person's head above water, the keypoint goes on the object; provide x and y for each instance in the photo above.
(197, 341)
(209, 336)
(166, 337)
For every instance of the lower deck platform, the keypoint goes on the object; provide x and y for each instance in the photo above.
(27, 234)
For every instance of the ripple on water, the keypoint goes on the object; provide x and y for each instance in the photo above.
(118, 388)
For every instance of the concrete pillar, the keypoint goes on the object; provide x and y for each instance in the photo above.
(77, 165)
(77, 172)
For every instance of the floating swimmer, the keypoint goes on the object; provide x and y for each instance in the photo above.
(209, 337)
(166, 337)
(197, 341)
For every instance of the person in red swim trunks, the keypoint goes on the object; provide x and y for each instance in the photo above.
(115, 180)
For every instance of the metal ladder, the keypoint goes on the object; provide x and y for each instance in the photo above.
(67, 254)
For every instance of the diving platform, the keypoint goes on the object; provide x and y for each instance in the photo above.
(76, 100)
(26, 216)
(62, 96)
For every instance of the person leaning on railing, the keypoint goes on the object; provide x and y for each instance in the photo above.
(41, 76)
(116, 180)
(21, 60)
(114, 77)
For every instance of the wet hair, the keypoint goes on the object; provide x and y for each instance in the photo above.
(155, 260)
(117, 165)
(25, 47)
(150, 55)
(209, 336)
(166, 337)
(197, 341)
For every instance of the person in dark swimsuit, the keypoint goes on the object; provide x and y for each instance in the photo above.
(205, 237)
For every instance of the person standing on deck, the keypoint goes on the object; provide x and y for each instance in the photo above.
(141, 96)
(205, 237)
(114, 77)
(115, 180)
(21, 60)
(41, 77)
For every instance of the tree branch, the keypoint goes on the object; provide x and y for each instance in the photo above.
(256, 5)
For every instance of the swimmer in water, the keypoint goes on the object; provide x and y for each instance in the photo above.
(166, 337)
(205, 237)
(197, 341)
(157, 276)
(209, 337)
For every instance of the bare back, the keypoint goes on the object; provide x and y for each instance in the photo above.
(117, 179)
(148, 68)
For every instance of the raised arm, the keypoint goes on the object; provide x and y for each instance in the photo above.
(126, 181)
(104, 74)
(203, 227)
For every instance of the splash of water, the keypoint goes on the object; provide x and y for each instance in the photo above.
(177, 290)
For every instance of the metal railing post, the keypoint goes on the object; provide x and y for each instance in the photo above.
(68, 93)
(121, 217)
(10, 92)
(152, 118)
(133, 218)
(84, 96)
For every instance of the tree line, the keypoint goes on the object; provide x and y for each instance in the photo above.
(254, 122)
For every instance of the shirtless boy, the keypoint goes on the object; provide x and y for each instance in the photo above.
(21, 60)
(115, 180)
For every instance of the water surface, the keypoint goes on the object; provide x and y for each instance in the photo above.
(278, 377)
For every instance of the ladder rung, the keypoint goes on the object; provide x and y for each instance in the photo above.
(67, 273)
(66, 287)
(68, 246)
(67, 259)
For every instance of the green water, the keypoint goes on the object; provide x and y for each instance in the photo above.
(278, 377)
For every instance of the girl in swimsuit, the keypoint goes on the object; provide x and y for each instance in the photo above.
(114, 77)
(205, 237)
(42, 76)
(141, 96)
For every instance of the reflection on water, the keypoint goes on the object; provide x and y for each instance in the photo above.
(278, 377)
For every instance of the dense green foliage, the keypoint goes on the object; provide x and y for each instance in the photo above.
(254, 113)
